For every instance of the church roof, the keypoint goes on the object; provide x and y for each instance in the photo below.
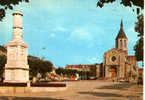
(81, 66)
(121, 33)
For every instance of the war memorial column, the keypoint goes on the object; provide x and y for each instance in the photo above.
(17, 69)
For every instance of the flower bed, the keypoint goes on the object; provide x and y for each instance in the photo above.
(14, 84)
(44, 84)
(38, 84)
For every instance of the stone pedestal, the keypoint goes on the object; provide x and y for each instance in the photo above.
(16, 69)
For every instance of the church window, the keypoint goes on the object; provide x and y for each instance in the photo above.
(124, 43)
(113, 58)
(120, 43)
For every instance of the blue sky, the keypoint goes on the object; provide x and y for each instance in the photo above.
(72, 31)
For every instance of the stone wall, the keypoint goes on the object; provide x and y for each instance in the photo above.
(12, 90)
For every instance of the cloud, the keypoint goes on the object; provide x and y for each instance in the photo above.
(90, 45)
(52, 35)
(7, 22)
(60, 28)
(92, 60)
(131, 34)
(77, 59)
(80, 34)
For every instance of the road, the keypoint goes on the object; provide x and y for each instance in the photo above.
(87, 90)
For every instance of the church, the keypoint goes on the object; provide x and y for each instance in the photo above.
(117, 63)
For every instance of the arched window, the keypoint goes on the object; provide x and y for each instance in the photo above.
(120, 43)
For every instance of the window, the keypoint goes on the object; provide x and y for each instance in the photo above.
(124, 43)
(113, 58)
(120, 43)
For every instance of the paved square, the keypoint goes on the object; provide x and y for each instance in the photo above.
(86, 90)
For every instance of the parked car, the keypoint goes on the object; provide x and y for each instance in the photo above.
(43, 80)
(92, 78)
(121, 80)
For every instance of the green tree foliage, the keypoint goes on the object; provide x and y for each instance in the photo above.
(139, 49)
(8, 4)
(60, 71)
(71, 73)
(84, 74)
(3, 49)
(37, 65)
(92, 71)
(139, 25)
(139, 46)
(3, 60)
(127, 3)
(67, 72)
(33, 67)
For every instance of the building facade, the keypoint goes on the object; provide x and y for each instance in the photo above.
(91, 68)
(81, 67)
(117, 63)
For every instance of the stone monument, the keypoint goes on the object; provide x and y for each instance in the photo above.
(17, 69)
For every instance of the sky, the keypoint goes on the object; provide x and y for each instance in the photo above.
(71, 31)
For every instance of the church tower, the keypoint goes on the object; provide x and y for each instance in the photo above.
(121, 39)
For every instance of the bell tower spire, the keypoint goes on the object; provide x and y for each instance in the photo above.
(121, 39)
(121, 25)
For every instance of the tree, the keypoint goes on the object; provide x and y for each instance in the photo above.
(3, 49)
(92, 71)
(126, 3)
(68, 72)
(33, 68)
(139, 50)
(139, 47)
(45, 66)
(60, 71)
(3, 60)
(37, 65)
(84, 74)
(8, 4)
(139, 25)
(71, 73)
